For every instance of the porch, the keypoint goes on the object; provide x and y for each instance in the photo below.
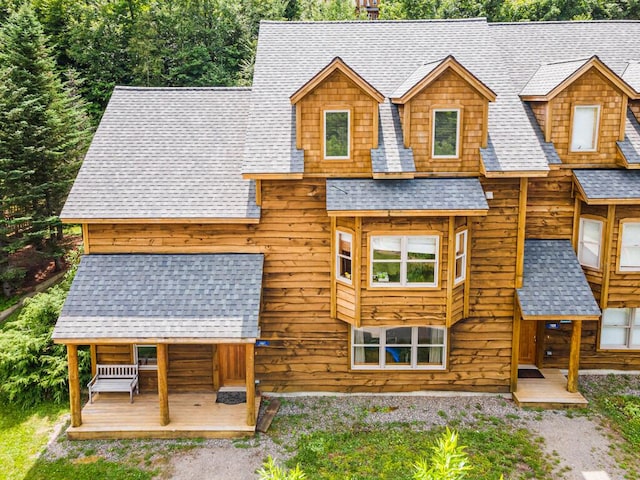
(193, 415)
(548, 392)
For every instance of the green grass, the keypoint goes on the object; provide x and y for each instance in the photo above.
(64, 469)
(8, 302)
(389, 452)
(23, 434)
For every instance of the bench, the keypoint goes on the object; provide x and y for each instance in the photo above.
(114, 378)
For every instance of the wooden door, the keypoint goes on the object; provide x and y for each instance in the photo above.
(527, 342)
(231, 362)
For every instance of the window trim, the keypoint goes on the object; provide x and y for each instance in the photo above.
(403, 236)
(456, 109)
(338, 255)
(382, 364)
(596, 134)
(135, 356)
(623, 269)
(630, 347)
(457, 280)
(601, 221)
(323, 124)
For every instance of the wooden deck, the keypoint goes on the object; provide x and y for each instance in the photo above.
(192, 415)
(548, 392)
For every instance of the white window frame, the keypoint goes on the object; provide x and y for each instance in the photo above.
(581, 242)
(382, 350)
(135, 356)
(339, 256)
(324, 131)
(433, 133)
(403, 263)
(632, 330)
(596, 128)
(461, 239)
(636, 244)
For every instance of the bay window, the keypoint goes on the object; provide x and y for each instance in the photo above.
(590, 242)
(407, 261)
(630, 246)
(344, 243)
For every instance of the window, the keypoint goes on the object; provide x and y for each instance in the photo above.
(446, 130)
(146, 356)
(590, 242)
(620, 328)
(410, 261)
(584, 135)
(337, 143)
(630, 247)
(461, 257)
(343, 256)
(400, 348)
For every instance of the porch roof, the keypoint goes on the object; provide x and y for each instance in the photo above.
(555, 286)
(615, 186)
(132, 298)
(420, 196)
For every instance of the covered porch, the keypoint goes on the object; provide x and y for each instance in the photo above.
(171, 317)
(554, 290)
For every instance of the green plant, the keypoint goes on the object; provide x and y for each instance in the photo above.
(271, 471)
(448, 462)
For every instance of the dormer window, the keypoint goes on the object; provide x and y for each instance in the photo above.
(584, 133)
(337, 129)
(446, 132)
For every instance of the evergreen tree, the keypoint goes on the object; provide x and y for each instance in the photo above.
(43, 134)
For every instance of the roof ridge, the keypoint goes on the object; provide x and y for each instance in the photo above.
(559, 22)
(368, 22)
(133, 87)
(585, 59)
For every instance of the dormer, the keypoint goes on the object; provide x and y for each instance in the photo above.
(444, 110)
(581, 107)
(337, 121)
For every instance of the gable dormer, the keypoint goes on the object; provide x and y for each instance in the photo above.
(444, 116)
(337, 121)
(581, 107)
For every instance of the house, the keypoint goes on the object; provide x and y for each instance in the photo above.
(462, 201)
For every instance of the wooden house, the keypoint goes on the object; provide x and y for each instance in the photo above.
(456, 206)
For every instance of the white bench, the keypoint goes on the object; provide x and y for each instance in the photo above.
(114, 378)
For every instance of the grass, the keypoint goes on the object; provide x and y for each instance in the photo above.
(63, 469)
(23, 434)
(8, 302)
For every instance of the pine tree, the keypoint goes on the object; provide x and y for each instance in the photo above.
(43, 134)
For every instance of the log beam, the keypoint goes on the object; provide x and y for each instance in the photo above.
(74, 386)
(215, 367)
(163, 389)
(522, 221)
(574, 356)
(250, 383)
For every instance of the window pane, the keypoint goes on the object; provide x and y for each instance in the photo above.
(420, 272)
(591, 231)
(430, 355)
(336, 134)
(421, 248)
(399, 336)
(370, 335)
(366, 355)
(430, 336)
(616, 316)
(583, 136)
(614, 336)
(344, 255)
(387, 272)
(387, 248)
(147, 355)
(460, 267)
(398, 355)
(461, 240)
(445, 133)
(590, 255)
(630, 251)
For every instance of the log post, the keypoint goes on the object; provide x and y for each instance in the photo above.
(163, 390)
(215, 368)
(250, 383)
(74, 385)
(574, 356)
(94, 359)
(515, 346)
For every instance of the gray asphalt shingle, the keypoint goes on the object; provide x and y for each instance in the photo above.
(630, 147)
(605, 184)
(631, 75)
(163, 296)
(391, 156)
(549, 76)
(167, 153)
(413, 194)
(554, 282)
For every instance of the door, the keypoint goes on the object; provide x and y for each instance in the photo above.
(231, 362)
(527, 343)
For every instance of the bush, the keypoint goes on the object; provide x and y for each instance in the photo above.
(32, 367)
(271, 471)
(449, 461)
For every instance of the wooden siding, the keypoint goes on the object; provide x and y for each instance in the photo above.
(624, 287)
(635, 108)
(338, 92)
(550, 206)
(448, 91)
(540, 111)
(590, 89)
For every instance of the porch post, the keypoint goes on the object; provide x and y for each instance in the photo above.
(574, 356)
(250, 383)
(94, 359)
(74, 385)
(163, 390)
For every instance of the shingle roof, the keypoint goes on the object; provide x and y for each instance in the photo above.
(554, 282)
(163, 296)
(289, 53)
(630, 146)
(414, 194)
(391, 156)
(416, 76)
(549, 76)
(631, 75)
(609, 184)
(167, 153)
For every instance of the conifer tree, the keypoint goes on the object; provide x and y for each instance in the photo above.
(43, 134)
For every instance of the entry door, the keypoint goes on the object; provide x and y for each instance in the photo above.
(527, 342)
(231, 362)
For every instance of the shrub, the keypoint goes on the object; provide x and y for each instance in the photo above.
(448, 462)
(271, 471)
